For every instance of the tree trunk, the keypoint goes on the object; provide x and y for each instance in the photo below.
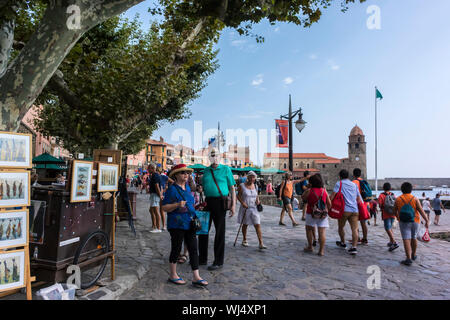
(62, 26)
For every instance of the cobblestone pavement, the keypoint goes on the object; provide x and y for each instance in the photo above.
(284, 271)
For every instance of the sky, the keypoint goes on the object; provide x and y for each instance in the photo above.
(331, 70)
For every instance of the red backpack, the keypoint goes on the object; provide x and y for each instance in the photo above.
(337, 205)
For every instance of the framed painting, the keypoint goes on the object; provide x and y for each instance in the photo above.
(14, 189)
(13, 228)
(15, 150)
(81, 181)
(12, 270)
(108, 177)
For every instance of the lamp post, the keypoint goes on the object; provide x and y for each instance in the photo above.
(299, 124)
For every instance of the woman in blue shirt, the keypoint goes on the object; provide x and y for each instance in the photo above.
(179, 204)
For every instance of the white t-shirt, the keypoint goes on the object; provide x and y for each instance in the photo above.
(426, 205)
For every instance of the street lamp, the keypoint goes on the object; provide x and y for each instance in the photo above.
(300, 124)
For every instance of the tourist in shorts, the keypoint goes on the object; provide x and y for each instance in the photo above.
(373, 210)
(408, 210)
(438, 208)
(426, 205)
(287, 196)
(357, 180)
(248, 213)
(388, 218)
(311, 198)
(156, 196)
(352, 197)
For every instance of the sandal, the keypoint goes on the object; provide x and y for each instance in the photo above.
(182, 259)
(175, 281)
(200, 283)
(307, 250)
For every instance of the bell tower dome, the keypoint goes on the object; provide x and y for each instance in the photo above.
(357, 150)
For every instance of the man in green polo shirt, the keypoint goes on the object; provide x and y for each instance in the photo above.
(225, 182)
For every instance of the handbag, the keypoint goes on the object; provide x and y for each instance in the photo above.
(195, 223)
(337, 205)
(227, 201)
(363, 212)
(259, 207)
(204, 217)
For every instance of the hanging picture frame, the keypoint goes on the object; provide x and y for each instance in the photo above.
(12, 270)
(14, 189)
(13, 228)
(81, 187)
(108, 177)
(15, 150)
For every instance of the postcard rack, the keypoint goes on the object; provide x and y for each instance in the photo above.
(15, 165)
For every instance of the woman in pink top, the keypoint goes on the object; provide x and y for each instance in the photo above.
(269, 188)
(316, 216)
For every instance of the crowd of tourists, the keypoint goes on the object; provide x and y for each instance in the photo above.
(181, 194)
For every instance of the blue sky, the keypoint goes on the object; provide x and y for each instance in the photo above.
(331, 70)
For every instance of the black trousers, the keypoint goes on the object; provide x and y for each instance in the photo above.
(190, 240)
(217, 216)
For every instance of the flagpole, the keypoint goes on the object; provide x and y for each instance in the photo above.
(376, 145)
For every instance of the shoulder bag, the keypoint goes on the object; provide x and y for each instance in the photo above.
(227, 201)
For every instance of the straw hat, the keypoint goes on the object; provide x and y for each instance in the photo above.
(178, 168)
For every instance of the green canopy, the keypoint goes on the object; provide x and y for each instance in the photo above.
(197, 167)
(47, 158)
(271, 171)
(50, 166)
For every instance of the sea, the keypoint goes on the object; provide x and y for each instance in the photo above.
(445, 193)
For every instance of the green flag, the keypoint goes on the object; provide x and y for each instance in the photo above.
(379, 96)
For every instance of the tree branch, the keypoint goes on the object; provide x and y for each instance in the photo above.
(6, 44)
(58, 84)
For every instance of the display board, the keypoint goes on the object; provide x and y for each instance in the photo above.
(15, 197)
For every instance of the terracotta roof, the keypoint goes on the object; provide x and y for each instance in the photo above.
(299, 155)
(156, 142)
(356, 131)
(328, 161)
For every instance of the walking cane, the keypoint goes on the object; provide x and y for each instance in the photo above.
(242, 222)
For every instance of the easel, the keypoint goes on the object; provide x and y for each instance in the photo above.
(27, 279)
(102, 155)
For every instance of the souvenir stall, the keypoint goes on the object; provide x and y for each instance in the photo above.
(74, 224)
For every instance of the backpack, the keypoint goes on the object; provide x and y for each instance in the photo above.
(366, 191)
(319, 209)
(337, 205)
(389, 203)
(407, 212)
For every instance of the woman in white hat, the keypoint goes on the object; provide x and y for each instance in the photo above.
(248, 214)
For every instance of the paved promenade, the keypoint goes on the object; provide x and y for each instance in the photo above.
(284, 271)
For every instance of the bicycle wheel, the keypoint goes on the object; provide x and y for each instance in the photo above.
(96, 244)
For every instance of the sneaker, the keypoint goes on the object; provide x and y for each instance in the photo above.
(341, 244)
(414, 258)
(393, 247)
(281, 224)
(406, 262)
(244, 243)
(263, 247)
(389, 244)
(353, 251)
(155, 231)
(364, 242)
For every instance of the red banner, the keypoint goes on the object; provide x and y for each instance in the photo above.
(282, 127)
